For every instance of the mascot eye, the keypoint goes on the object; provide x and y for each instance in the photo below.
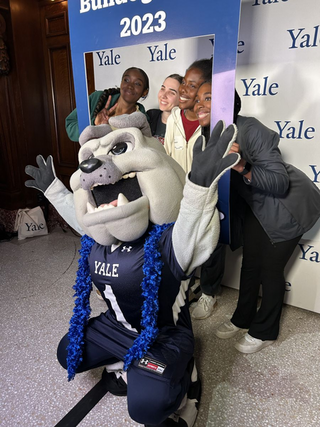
(121, 147)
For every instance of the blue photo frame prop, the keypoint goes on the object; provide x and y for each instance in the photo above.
(102, 24)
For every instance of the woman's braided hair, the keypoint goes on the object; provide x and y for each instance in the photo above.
(104, 98)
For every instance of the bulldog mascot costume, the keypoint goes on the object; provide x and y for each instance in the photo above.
(146, 227)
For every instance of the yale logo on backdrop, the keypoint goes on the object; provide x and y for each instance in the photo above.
(308, 253)
(240, 46)
(254, 87)
(316, 173)
(157, 53)
(302, 38)
(161, 53)
(108, 58)
(289, 130)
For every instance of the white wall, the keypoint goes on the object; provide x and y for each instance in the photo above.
(278, 79)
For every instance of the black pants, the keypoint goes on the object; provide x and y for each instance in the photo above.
(263, 263)
(151, 397)
(212, 271)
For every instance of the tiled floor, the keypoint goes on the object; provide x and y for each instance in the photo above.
(279, 386)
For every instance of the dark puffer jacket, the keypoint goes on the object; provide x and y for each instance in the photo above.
(282, 197)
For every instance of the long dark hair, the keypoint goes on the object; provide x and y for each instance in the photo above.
(103, 99)
(237, 106)
(115, 90)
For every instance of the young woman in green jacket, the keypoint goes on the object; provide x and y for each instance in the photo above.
(113, 102)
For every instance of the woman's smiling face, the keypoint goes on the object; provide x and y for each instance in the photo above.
(202, 106)
(189, 88)
(133, 86)
(168, 95)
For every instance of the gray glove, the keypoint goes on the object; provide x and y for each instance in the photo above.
(208, 165)
(43, 176)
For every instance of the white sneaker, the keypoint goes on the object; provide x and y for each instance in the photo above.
(204, 307)
(249, 344)
(226, 330)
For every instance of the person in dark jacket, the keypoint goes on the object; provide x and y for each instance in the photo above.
(279, 204)
(168, 97)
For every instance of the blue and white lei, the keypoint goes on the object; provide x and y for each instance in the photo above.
(152, 268)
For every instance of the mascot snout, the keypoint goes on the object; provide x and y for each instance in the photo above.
(90, 165)
(96, 171)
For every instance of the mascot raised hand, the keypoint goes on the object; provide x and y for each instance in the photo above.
(146, 228)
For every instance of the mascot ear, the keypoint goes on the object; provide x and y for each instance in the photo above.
(94, 132)
(134, 120)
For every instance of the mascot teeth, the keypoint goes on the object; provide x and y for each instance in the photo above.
(129, 175)
(92, 209)
(125, 176)
(122, 200)
(95, 185)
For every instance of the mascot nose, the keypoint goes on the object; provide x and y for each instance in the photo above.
(90, 165)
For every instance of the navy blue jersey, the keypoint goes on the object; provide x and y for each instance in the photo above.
(118, 275)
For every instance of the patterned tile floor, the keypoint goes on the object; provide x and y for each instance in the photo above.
(277, 387)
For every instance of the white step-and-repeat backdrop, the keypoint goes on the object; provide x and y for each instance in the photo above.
(277, 77)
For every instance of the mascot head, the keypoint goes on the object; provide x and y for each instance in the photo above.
(125, 181)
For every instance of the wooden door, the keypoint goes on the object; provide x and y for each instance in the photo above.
(59, 80)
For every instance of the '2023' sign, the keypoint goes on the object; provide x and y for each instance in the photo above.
(147, 24)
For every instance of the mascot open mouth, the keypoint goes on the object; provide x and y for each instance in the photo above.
(125, 190)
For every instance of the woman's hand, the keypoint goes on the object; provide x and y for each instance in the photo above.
(103, 116)
(241, 166)
(235, 148)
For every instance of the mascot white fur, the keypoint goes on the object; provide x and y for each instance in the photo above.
(146, 228)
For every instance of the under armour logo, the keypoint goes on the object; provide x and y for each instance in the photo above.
(126, 248)
(152, 365)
